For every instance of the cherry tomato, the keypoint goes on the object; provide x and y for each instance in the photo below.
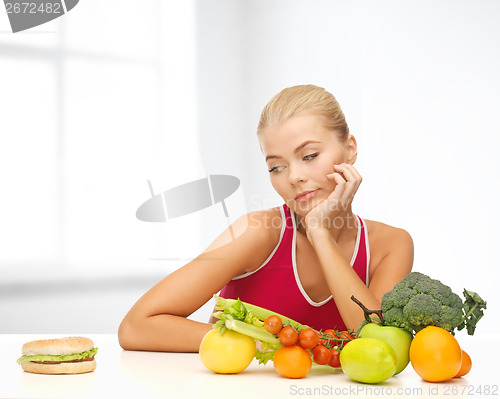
(308, 338)
(342, 335)
(330, 335)
(346, 335)
(273, 324)
(288, 336)
(335, 360)
(321, 354)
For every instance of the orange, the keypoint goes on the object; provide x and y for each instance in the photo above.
(435, 354)
(466, 364)
(292, 361)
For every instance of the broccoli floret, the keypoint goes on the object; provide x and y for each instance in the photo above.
(422, 310)
(450, 318)
(418, 301)
(399, 298)
(413, 278)
(395, 317)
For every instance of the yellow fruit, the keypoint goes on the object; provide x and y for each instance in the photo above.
(230, 352)
(435, 354)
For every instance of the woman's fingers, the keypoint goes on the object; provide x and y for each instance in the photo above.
(340, 187)
(359, 179)
(353, 180)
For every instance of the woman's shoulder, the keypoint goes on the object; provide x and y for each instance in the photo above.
(249, 240)
(384, 229)
(383, 238)
(265, 224)
(263, 231)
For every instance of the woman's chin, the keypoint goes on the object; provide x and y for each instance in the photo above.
(302, 208)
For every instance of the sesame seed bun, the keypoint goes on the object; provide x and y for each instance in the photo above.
(59, 346)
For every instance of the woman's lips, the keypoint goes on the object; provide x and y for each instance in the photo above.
(305, 196)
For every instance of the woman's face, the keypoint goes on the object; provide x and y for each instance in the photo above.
(299, 154)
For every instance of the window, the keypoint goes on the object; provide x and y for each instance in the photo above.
(94, 104)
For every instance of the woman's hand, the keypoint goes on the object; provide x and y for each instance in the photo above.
(333, 213)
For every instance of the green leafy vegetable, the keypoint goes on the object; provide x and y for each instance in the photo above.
(57, 358)
(264, 356)
(248, 313)
(257, 333)
(418, 301)
(248, 319)
(473, 308)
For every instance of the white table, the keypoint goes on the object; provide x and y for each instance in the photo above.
(127, 374)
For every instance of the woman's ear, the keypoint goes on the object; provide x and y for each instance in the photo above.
(351, 147)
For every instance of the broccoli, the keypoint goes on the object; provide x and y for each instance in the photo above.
(418, 301)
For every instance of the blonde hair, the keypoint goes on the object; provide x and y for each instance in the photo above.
(304, 99)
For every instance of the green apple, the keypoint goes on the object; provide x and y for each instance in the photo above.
(398, 338)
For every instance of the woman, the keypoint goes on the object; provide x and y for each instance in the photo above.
(308, 264)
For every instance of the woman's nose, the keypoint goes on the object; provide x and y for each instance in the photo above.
(296, 175)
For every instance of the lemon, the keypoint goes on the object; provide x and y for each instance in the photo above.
(230, 352)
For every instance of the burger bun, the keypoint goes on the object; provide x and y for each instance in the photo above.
(59, 347)
(61, 368)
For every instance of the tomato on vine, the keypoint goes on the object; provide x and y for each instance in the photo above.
(335, 360)
(327, 337)
(321, 354)
(288, 336)
(308, 338)
(345, 335)
(273, 324)
(331, 338)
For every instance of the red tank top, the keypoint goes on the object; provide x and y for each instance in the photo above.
(275, 285)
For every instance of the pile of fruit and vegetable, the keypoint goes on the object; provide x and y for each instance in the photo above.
(416, 325)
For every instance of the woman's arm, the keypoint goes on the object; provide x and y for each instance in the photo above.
(341, 278)
(344, 282)
(158, 321)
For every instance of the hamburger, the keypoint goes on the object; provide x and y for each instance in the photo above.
(70, 355)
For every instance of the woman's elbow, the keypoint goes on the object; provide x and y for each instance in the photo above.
(127, 335)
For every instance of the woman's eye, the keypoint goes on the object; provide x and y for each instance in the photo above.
(309, 157)
(274, 169)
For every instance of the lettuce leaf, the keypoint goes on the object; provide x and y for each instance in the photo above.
(57, 358)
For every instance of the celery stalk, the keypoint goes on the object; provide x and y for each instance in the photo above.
(257, 311)
(257, 333)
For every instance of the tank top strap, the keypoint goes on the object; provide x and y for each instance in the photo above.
(283, 250)
(361, 256)
(362, 262)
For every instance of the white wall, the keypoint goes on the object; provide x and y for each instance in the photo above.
(419, 84)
